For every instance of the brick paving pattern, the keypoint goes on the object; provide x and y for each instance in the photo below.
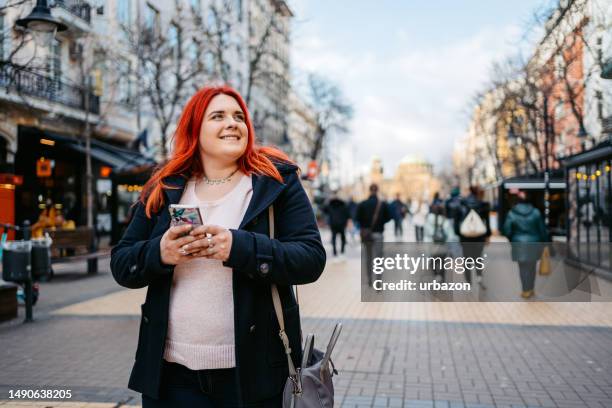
(389, 355)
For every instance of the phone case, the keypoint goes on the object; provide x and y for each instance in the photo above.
(185, 214)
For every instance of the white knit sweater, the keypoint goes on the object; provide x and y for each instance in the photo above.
(201, 321)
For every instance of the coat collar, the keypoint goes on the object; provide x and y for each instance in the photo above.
(265, 191)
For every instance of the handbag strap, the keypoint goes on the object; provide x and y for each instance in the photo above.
(330, 347)
(376, 211)
(278, 309)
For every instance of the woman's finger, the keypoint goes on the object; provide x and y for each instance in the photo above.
(199, 244)
(208, 229)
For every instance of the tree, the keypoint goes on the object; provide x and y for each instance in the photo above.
(332, 111)
(169, 61)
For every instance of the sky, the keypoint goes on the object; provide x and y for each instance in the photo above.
(410, 68)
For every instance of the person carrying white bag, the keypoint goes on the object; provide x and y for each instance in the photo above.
(474, 229)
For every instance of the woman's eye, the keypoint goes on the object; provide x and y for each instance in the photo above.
(239, 118)
(217, 116)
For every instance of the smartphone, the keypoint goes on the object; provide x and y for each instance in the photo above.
(185, 214)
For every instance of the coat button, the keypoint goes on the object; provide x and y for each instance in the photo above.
(145, 319)
(252, 329)
(264, 268)
(133, 268)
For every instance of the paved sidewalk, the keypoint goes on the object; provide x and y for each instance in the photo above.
(389, 355)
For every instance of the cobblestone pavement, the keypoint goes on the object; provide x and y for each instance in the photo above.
(389, 355)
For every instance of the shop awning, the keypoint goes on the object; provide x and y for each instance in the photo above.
(120, 159)
(598, 153)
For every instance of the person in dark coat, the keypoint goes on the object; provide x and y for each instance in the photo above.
(372, 215)
(208, 333)
(354, 227)
(398, 212)
(524, 227)
(473, 247)
(338, 215)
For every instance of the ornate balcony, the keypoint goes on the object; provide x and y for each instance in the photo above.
(29, 83)
(76, 14)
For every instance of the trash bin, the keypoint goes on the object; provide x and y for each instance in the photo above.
(41, 258)
(16, 266)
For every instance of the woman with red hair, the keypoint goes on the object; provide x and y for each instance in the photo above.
(208, 332)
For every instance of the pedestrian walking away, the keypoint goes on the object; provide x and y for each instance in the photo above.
(438, 230)
(524, 227)
(474, 230)
(338, 215)
(398, 212)
(419, 220)
(206, 338)
(372, 215)
(353, 223)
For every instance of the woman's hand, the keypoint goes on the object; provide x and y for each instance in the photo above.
(171, 243)
(212, 242)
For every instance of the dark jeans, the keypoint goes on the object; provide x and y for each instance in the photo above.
(472, 249)
(528, 274)
(338, 231)
(399, 229)
(185, 388)
(373, 249)
(418, 232)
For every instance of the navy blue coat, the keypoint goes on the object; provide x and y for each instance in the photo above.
(296, 256)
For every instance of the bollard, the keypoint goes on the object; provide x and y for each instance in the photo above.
(27, 235)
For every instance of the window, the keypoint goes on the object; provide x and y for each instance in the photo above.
(2, 36)
(209, 62)
(174, 39)
(239, 9)
(211, 20)
(151, 17)
(124, 12)
(599, 98)
(194, 51)
(54, 60)
(124, 83)
(559, 110)
(559, 66)
(195, 6)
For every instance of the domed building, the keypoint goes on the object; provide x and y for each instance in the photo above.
(413, 179)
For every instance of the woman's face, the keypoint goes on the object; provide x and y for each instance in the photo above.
(224, 132)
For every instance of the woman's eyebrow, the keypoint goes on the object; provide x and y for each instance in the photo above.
(215, 112)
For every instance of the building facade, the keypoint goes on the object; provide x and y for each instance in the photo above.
(269, 70)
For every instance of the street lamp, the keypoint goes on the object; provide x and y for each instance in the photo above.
(42, 24)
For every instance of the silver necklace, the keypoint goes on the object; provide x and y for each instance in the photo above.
(214, 182)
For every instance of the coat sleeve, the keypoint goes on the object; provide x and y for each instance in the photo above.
(295, 256)
(136, 259)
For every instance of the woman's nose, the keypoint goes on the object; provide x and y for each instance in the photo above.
(231, 122)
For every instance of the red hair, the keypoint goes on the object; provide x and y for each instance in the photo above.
(185, 159)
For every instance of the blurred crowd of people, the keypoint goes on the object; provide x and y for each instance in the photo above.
(461, 223)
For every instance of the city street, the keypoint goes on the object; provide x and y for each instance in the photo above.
(389, 354)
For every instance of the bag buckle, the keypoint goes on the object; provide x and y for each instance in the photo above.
(297, 386)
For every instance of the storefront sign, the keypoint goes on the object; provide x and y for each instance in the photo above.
(7, 178)
(43, 167)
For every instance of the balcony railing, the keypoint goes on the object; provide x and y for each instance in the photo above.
(79, 8)
(34, 84)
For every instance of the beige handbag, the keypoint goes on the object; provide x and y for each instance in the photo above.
(545, 262)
